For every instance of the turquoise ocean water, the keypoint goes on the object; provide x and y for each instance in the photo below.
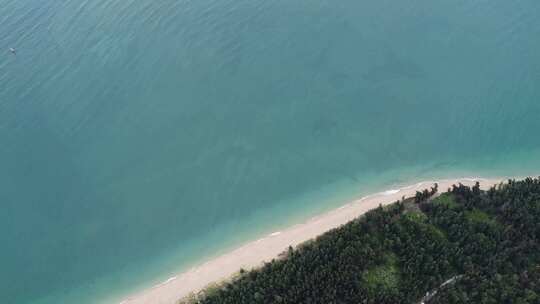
(140, 137)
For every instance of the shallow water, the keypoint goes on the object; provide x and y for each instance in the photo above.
(138, 137)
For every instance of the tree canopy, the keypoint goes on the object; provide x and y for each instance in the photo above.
(463, 246)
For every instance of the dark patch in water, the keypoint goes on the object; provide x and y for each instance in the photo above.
(394, 66)
(323, 125)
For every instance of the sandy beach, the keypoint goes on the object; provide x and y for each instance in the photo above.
(254, 253)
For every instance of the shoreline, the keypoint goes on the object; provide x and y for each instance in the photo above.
(254, 253)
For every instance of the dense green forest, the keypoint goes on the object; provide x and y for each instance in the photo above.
(463, 246)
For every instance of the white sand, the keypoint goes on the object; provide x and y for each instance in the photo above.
(253, 254)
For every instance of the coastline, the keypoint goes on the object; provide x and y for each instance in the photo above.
(254, 253)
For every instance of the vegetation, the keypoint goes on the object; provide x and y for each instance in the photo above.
(464, 246)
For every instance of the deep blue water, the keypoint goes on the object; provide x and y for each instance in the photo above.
(138, 137)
